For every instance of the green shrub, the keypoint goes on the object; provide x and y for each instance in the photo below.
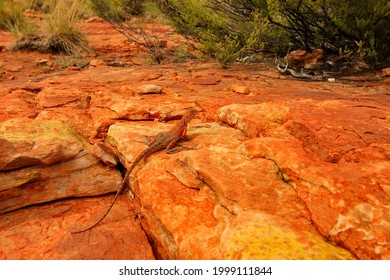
(152, 13)
(195, 20)
(359, 26)
(228, 29)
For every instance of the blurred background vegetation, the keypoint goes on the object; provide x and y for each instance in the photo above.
(227, 30)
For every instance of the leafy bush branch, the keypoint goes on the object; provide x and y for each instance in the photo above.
(231, 28)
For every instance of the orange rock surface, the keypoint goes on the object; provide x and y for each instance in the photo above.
(275, 168)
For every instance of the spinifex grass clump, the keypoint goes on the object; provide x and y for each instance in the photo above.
(63, 34)
(60, 29)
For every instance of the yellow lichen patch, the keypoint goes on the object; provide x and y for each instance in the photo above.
(275, 112)
(23, 129)
(264, 240)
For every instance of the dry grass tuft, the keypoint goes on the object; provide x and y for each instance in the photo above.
(62, 34)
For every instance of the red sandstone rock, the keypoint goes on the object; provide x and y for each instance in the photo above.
(44, 232)
(330, 190)
(193, 200)
(50, 97)
(25, 142)
(116, 106)
(96, 62)
(240, 89)
(43, 161)
(256, 120)
(148, 88)
(286, 169)
(79, 119)
(297, 171)
(105, 153)
(306, 59)
(17, 103)
(386, 72)
(204, 81)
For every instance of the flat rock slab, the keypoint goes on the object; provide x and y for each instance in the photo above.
(210, 202)
(203, 81)
(335, 155)
(107, 107)
(44, 232)
(42, 161)
(273, 171)
(26, 142)
(16, 103)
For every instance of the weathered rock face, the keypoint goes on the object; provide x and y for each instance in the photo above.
(17, 103)
(45, 161)
(42, 161)
(306, 59)
(118, 104)
(44, 232)
(268, 189)
(288, 179)
(49, 98)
